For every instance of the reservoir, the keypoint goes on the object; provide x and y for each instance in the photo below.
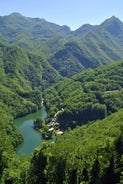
(32, 138)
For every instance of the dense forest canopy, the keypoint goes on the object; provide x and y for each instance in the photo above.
(88, 154)
(44, 63)
(86, 96)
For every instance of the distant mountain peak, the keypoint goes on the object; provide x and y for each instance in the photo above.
(113, 25)
(112, 19)
(84, 29)
(15, 14)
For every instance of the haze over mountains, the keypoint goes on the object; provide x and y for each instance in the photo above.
(67, 51)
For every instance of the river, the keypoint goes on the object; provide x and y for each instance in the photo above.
(32, 138)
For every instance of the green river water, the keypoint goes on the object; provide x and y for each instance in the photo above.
(32, 138)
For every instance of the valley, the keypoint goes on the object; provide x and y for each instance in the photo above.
(78, 76)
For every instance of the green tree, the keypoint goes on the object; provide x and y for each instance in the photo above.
(39, 123)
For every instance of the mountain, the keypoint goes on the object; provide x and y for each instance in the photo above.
(33, 34)
(71, 59)
(102, 45)
(83, 30)
(67, 60)
(113, 26)
(99, 44)
(22, 78)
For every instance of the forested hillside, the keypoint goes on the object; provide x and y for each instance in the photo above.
(87, 96)
(92, 47)
(23, 77)
(67, 51)
(90, 154)
(33, 34)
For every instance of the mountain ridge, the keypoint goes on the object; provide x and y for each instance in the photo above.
(113, 18)
(99, 44)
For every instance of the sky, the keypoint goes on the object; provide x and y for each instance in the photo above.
(73, 13)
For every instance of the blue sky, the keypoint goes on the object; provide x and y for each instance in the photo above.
(73, 13)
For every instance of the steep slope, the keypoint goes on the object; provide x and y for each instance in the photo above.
(95, 45)
(72, 59)
(113, 25)
(89, 154)
(105, 41)
(67, 60)
(33, 34)
(22, 77)
(87, 96)
(83, 30)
